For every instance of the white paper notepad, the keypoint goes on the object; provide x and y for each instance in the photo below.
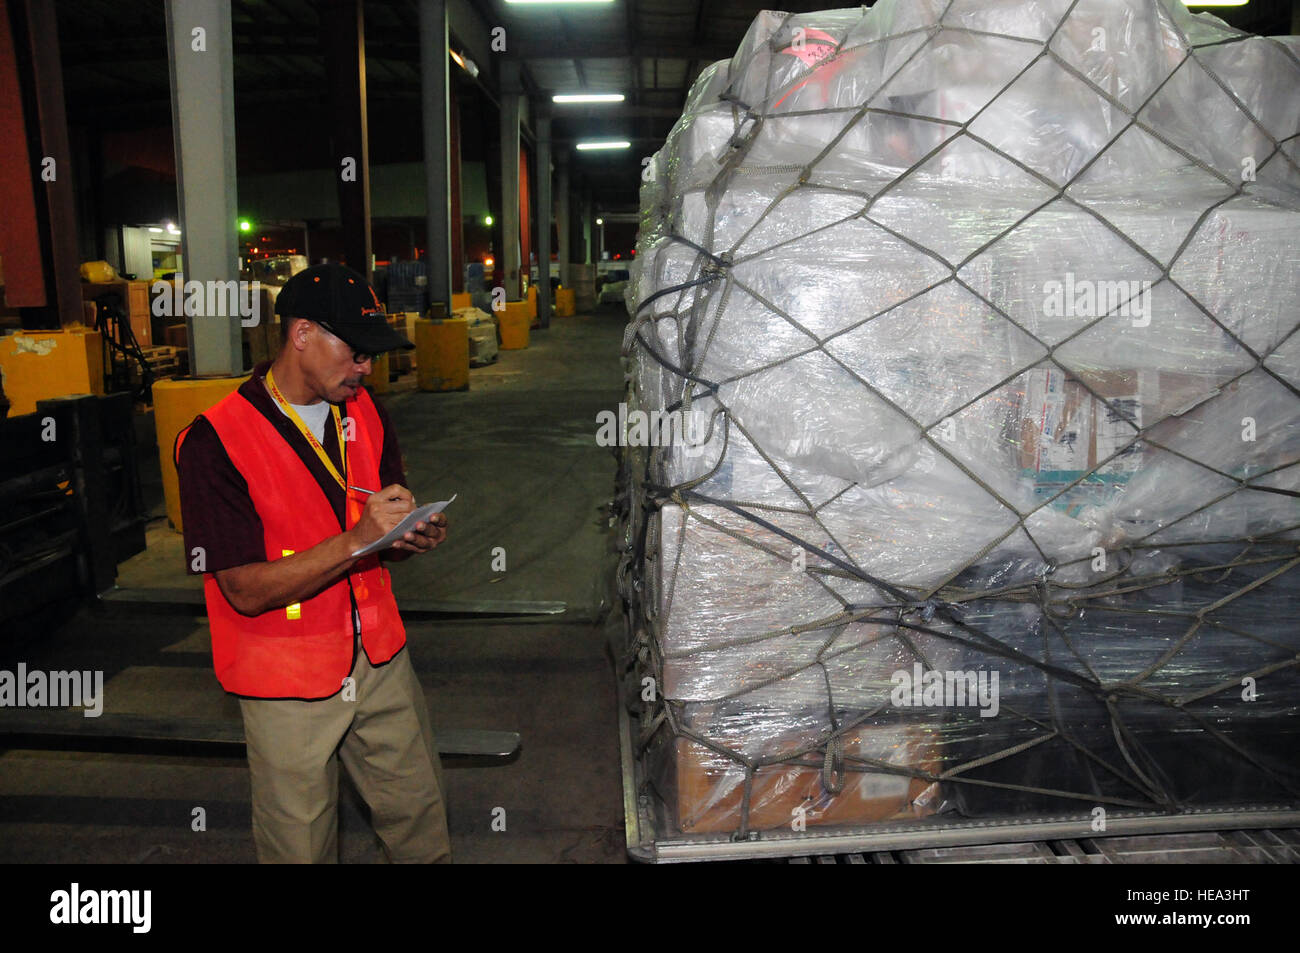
(407, 525)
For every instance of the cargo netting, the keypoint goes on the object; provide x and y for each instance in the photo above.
(963, 422)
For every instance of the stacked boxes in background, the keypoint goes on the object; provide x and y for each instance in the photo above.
(482, 335)
(584, 287)
(1015, 400)
(401, 362)
(408, 287)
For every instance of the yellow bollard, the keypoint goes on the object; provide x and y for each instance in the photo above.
(514, 322)
(442, 354)
(461, 300)
(377, 379)
(39, 365)
(175, 405)
(565, 303)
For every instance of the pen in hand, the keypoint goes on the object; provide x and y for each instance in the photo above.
(361, 489)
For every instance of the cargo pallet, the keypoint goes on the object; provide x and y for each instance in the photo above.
(1262, 833)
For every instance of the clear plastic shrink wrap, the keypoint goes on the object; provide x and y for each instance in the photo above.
(986, 313)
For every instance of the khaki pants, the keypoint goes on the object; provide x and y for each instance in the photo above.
(385, 740)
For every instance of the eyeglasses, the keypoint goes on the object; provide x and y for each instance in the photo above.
(360, 357)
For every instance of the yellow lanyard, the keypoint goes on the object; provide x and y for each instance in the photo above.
(311, 437)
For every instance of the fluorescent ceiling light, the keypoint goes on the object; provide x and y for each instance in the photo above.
(155, 229)
(587, 146)
(1214, 3)
(557, 2)
(587, 98)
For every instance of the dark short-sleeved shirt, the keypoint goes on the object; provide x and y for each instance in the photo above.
(216, 508)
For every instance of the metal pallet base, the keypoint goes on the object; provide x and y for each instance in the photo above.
(1002, 841)
(1207, 847)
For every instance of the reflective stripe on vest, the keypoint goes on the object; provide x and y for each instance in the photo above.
(303, 650)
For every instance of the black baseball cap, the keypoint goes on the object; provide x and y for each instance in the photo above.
(342, 301)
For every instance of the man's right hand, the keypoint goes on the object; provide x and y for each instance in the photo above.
(384, 510)
(258, 587)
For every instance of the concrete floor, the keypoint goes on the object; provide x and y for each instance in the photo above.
(519, 450)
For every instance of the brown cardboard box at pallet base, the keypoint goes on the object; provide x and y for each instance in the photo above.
(710, 787)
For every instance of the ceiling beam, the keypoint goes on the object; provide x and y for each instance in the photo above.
(696, 40)
(290, 18)
(634, 64)
(557, 48)
(399, 48)
(700, 9)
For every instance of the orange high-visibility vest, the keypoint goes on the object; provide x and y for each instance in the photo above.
(303, 650)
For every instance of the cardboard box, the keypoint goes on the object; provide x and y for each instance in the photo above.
(1056, 421)
(1066, 432)
(710, 787)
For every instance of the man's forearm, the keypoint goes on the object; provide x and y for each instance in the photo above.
(255, 588)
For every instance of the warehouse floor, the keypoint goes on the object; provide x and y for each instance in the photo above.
(519, 451)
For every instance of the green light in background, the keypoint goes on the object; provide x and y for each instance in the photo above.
(245, 225)
(487, 220)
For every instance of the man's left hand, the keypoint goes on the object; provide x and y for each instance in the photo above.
(426, 535)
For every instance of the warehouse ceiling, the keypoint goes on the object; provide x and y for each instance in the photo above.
(116, 76)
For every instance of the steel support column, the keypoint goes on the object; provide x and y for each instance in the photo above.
(200, 55)
(588, 227)
(545, 213)
(562, 218)
(435, 80)
(510, 104)
(343, 39)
